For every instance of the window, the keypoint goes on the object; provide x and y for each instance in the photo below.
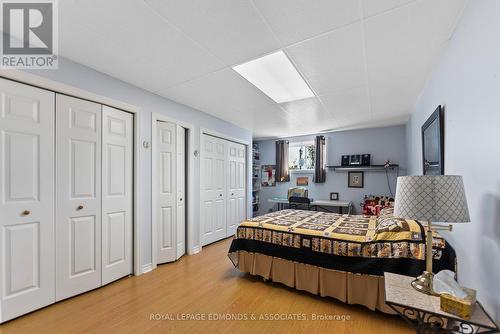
(301, 156)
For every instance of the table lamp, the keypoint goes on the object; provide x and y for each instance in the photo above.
(430, 198)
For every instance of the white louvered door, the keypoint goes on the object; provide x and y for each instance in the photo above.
(117, 141)
(27, 199)
(78, 201)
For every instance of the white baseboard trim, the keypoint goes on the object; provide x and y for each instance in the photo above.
(194, 250)
(146, 268)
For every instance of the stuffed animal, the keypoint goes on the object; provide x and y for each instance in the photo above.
(372, 205)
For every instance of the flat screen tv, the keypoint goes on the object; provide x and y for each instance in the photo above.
(433, 143)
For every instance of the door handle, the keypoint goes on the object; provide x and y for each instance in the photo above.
(26, 212)
(80, 207)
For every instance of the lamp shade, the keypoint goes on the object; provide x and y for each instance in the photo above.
(431, 198)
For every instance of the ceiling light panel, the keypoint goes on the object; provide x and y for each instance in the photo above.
(276, 76)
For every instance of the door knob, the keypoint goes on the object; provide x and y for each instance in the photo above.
(181, 199)
(220, 195)
(232, 194)
(26, 212)
(80, 207)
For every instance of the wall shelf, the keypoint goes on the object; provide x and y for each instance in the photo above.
(256, 178)
(372, 168)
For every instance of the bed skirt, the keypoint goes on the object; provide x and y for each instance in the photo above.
(367, 290)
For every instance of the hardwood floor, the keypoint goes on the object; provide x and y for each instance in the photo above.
(203, 284)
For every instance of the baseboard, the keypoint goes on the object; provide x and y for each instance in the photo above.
(194, 250)
(146, 268)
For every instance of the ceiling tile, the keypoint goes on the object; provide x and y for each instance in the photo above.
(354, 121)
(396, 54)
(294, 21)
(310, 110)
(149, 53)
(410, 50)
(350, 105)
(308, 127)
(333, 61)
(270, 117)
(385, 103)
(269, 133)
(232, 30)
(267, 129)
(435, 19)
(365, 72)
(363, 123)
(373, 7)
(221, 92)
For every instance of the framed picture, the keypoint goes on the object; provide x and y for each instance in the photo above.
(433, 143)
(302, 181)
(355, 179)
(268, 175)
(334, 196)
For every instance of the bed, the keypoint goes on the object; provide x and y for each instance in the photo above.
(340, 256)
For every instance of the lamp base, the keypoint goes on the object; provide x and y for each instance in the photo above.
(423, 283)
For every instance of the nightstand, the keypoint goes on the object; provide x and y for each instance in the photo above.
(423, 312)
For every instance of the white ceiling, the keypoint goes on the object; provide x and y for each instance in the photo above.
(366, 60)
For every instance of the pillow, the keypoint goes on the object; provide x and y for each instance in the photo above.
(397, 229)
(386, 213)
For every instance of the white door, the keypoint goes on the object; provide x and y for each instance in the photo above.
(181, 191)
(236, 186)
(27, 199)
(78, 200)
(117, 140)
(213, 189)
(166, 192)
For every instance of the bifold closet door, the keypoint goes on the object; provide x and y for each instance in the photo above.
(27, 199)
(78, 200)
(236, 186)
(117, 141)
(166, 195)
(181, 191)
(213, 189)
(169, 212)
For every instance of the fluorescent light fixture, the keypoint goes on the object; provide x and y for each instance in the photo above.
(276, 76)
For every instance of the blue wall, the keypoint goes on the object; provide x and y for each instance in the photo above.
(382, 143)
(467, 81)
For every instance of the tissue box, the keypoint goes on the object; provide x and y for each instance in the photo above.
(458, 306)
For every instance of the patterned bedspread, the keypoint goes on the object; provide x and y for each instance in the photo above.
(357, 244)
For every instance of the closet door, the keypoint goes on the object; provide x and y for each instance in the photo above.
(236, 193)
(166, 192)
(78, 201)
(181, 191)
(117, 141)
(213, 191)
(27, 199)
